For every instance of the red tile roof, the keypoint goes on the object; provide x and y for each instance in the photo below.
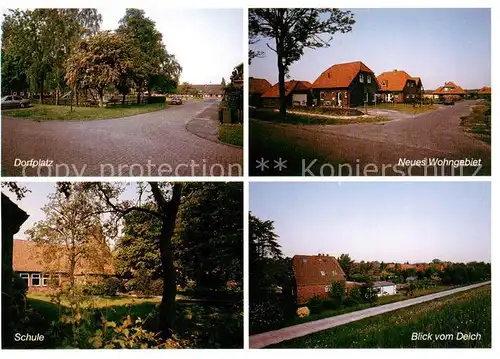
(485, 90)
(290, 86)
(29, 256)
(258, 86)
(340, 75)
(394, 80)
(453, 89)
(314, 270)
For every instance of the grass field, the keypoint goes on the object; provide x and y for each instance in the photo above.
(407, 108)
(204, 325)
(312, 118)
(231, 133)
(466, 312)
(51, 112)
(478, 122)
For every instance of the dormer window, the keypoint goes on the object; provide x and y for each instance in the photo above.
(368, 79)
(361, 78)
(323, 273)
(384, 83)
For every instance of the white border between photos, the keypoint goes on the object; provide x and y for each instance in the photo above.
(267, 353)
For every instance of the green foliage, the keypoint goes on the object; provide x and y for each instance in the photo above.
(107, 287)
(266, 314)
(209, 234)
(101, 60)
(337, 294)
(315, 305)
(332, 111)
(369, 293)
(157, 99)
(346, 263)
(355, 296)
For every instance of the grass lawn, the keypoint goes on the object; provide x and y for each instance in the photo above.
(312, 118)
(271, 144)
(231, 133)
(205, 325)
(51, 112)
(466, 312)
(478, 122)
(403, 107)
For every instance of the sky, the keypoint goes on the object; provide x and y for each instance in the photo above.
(383, 221)
(438, 45)
(208, 43)
(34, 201)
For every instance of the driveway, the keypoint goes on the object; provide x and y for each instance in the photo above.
(277, 336)
(379, 148)
(150, 144)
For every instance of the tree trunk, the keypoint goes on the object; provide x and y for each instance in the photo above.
(124, 97)
(101, 98)
(167, 305)
(41, 93)
(281, 79)
(139, 97)
(57, 96)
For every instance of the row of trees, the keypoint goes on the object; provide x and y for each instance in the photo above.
(64, 49)
(168, 232)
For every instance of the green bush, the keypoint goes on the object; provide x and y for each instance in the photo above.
(266, 315)
(368, 293)
(330, 304)
(332, 111)
(108, 287)
(315, 305)
(157, 99)
(156, 287)
(337, 293)
(355, 297)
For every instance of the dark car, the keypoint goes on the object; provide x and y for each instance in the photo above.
(176, 101)
(449, 100)
(14, 102)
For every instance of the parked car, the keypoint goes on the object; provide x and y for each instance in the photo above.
(14, 102)
(449, 100)
(176, 101)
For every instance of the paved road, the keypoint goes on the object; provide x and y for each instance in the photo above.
(277, 336)
(151, 144)
(435, 134)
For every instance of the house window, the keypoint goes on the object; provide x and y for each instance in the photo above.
(304, 260)
(327, 288)
(334, 272)
(322, 273)
(35, 280)
(383, 83)
(321, 95)
(366, 97)
(45, 280)
(361, 78)
(368, 79)
(26, 278)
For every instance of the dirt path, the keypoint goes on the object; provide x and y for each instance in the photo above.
(277, 336)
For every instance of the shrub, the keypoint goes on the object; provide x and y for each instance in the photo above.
(265, 315)
(332, 111)
(369, 293)
(355, 297)
(331, 304)
(108, 287)
(315, 305)
(156, 287)
(337, 294)
(157, 99)
(303, 312)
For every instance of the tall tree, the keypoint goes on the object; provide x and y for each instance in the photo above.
(101, 60)
(71, 234)
(209, 235)
(294, 30)
(154, 61)
(166, 198)
(28, 38)
(346, 263)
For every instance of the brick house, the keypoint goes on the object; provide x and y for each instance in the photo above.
(314, 276)
(484, 92)
(256, 88)
(346, 85)
(297, 93)
(450, 89)
(398, 86)
(41, 272)
(209, 90)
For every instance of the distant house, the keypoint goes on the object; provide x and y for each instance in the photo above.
(41, 274)
(297, 93)
(256, 88)
(314, 276)
(484, 92)
(398, 87)
(450, 89)
(209, 90)
(385, 288)
(429, 94)
(346, 85)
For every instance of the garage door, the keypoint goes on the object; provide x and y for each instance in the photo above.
(299, 99)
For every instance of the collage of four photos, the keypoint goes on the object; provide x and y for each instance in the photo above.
(163, 178)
